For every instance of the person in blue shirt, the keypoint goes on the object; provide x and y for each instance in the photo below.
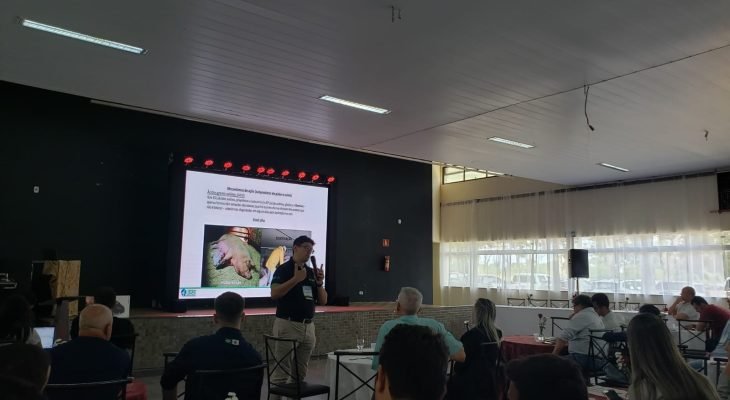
(226, 349)
(407, 306)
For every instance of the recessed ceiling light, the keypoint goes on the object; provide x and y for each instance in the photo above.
(80, 36)
(355, 105)
(511, 142)
(617, 168)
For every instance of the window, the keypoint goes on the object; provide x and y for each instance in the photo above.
(452, 174)
(649, 264)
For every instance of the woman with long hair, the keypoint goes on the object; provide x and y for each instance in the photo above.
(475, 378)
(658, 370)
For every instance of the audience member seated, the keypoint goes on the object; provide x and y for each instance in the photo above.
(658, 370)
(413, 363)
(24, 370)
(682, 307)
(475, 378)
(611, 320)
(226, 349)
(621, 336)
(122, 331)
(575, 335)
(718, 317)
(407, 306)
(16, 321)
(545, 376)
(89, 357)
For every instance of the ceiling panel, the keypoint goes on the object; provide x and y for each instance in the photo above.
(452, 73)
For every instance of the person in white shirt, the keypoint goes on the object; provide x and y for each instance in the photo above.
(575, 335)
(611, 320)
(682, 308)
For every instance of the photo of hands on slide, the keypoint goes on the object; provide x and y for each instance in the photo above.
(238, 256)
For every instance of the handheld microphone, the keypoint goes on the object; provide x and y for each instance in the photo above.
(314, 262)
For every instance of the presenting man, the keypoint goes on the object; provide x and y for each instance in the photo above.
(297, 288)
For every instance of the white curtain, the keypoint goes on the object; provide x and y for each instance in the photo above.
(647, 239)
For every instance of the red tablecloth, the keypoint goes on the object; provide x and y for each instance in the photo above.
(521, 346)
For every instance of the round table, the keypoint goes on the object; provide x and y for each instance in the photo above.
(521, 346)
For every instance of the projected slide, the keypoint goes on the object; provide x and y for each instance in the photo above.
(238, 230)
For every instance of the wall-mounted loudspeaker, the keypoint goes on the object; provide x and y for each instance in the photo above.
(578, 263)
(723, 191)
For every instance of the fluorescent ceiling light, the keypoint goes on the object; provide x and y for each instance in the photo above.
(356, 105)
(495, 173)
(80, 36)
(617, 168)
(511, 142)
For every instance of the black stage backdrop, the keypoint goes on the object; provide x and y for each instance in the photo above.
(105, 196)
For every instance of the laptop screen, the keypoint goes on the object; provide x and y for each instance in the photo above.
(46, 334)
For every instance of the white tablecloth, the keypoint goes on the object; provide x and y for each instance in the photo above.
(360, 365)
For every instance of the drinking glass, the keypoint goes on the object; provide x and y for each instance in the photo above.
(360, 343)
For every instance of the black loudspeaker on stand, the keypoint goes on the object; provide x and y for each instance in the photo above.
(578, 263)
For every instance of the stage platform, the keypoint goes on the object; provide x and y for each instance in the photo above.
(336, 328)
(150, 313)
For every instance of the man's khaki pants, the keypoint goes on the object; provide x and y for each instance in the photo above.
(306, 339)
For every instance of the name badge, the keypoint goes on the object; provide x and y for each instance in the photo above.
(307, 290)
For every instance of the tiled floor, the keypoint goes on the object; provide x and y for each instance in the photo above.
(316, 374)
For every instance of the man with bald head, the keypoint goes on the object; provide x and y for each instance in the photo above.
(90, 357)
(406, 307)
(681, 308)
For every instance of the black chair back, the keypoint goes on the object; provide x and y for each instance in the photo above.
(128, 343)
(513, 301)
(560, 303)
(370, 382)
(555, 324)
(240, 383)
(104, 390)
(298, 388)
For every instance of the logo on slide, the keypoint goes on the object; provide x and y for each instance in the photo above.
(187, 292)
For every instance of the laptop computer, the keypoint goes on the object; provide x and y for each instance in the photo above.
(46, 334)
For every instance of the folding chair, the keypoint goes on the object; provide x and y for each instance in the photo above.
(298, 389)
(513, 301)
(560, 303)
(687, 325)
(555, 324)
(370, 382)
(103, 390)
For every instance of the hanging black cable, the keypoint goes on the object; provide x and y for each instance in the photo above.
(586, 88)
